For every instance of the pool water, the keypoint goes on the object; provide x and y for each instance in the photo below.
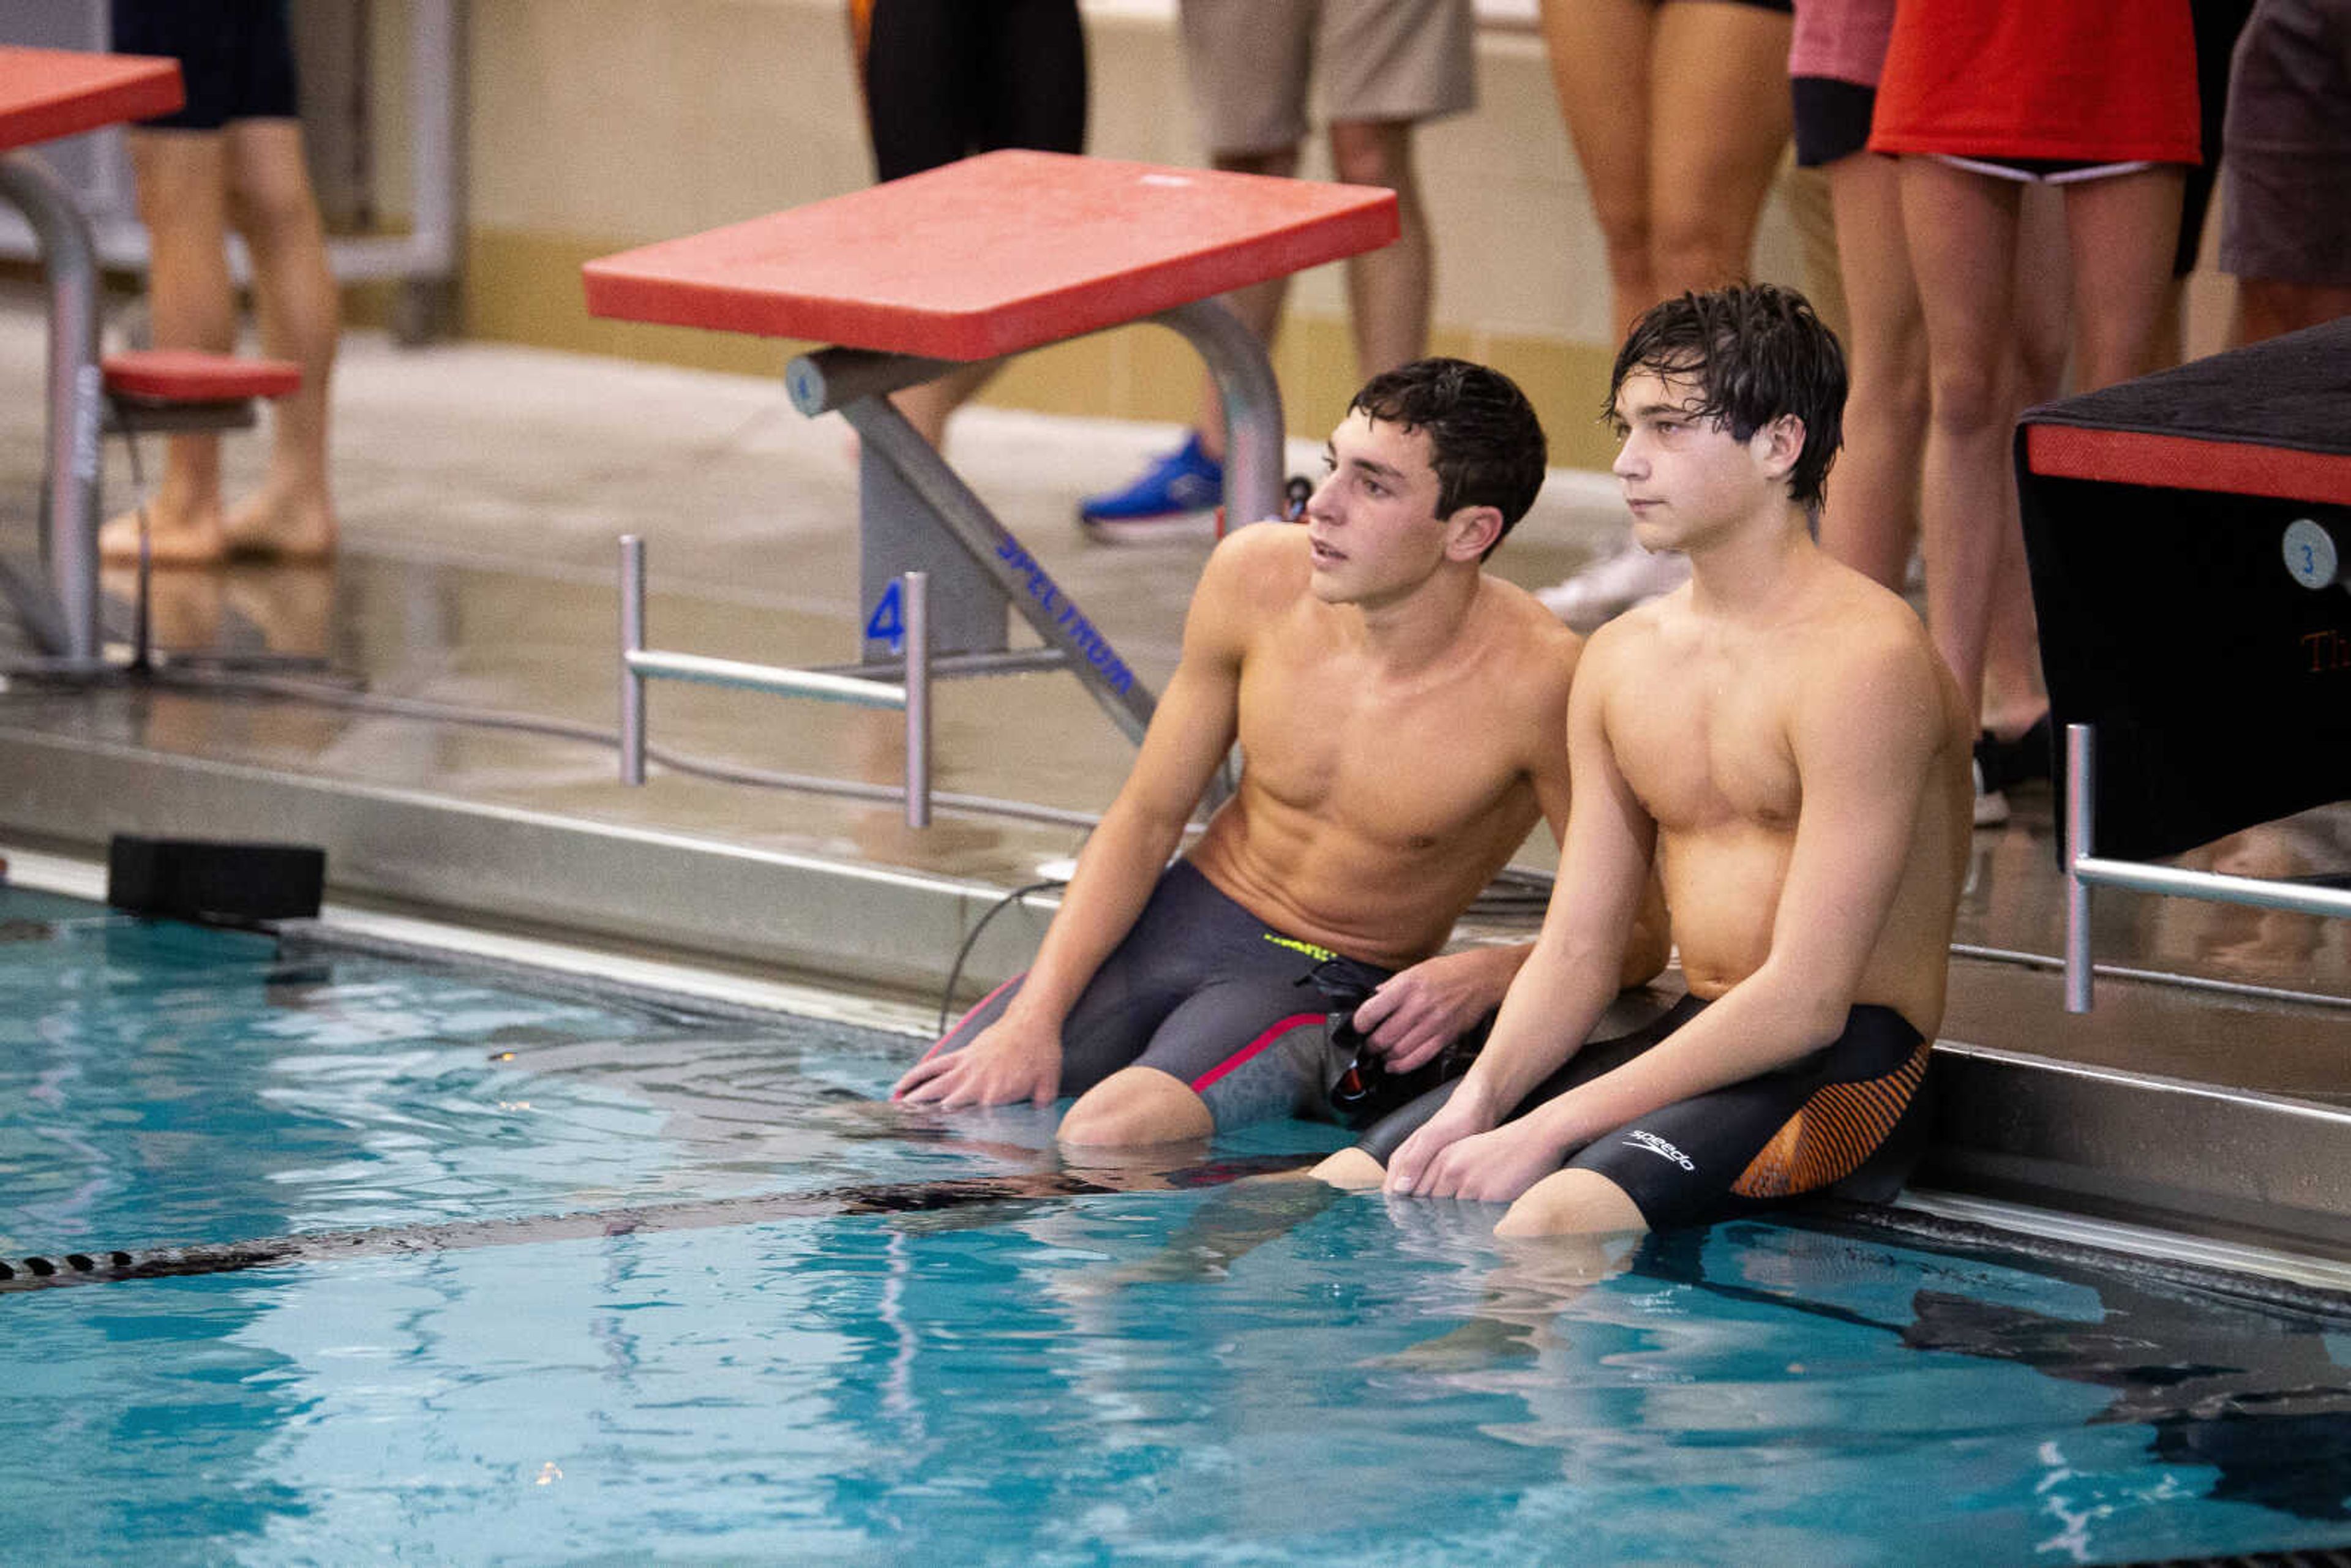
(1191, 1369)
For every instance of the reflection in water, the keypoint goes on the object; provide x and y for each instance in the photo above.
(2257, 1394)
(1268, 1371)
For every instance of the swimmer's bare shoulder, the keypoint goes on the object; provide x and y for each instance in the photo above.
(1263, 565)
(1868, 631)
(1533, 659)
(1250, 580)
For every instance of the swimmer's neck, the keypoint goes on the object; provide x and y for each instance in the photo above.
(1753, 568)
(1419, 627)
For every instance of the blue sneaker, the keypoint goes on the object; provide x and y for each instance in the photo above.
(1184, 481)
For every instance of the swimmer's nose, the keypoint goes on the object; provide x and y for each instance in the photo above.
(1318, 504)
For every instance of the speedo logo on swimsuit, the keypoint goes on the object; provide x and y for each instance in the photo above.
(1659, 1147)
(1319, 954)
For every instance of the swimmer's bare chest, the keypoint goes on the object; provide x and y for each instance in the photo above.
(1398, 768)
(1370, 812)
(1707, 753)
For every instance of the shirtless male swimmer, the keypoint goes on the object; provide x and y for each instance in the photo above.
(1779, 738)
(1404, 719)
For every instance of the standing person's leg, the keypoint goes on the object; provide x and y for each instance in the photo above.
(2013, 702)
(1870, 517)
(2121, 230)
(922, 106)
(1386, 68)
(1599, 52)
(946, 79)
(1247, 61)
(1719, 68)
(1962, 230)
(300, 314)
(2267, 306)
(1388, 289)
(1702, 117)
(181, 182)
(1259, 306)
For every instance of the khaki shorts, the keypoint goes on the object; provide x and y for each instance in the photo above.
(2286, 181)
(1378, 60)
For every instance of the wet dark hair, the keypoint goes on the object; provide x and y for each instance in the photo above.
(1484, 439)
(1755, 351)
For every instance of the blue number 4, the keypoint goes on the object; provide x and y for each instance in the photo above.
(888, 624)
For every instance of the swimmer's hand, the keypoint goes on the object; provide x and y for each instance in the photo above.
(1460, 1153)
(1007, 1062)
(1493, 1167)
(1417, 1012)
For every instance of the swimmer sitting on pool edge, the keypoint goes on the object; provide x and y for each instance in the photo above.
(1402, 714)
(1781, 739)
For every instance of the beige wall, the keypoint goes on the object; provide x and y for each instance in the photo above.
(595, 125)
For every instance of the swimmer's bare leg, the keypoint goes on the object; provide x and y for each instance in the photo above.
(1350, 1170)
(1572, 1203)
(1136, 1106)
(1518, 1315)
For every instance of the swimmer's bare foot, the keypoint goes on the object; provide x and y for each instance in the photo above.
(282, 522)
(175, 539)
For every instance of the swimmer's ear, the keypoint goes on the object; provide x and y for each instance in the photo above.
(1472, 531)
(1779, 444)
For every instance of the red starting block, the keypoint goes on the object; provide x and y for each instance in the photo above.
(178, 390)
(992, 256)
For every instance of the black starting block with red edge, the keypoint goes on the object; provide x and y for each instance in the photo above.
(2189, 541)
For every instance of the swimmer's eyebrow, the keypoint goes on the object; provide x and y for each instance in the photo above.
(1362, 465)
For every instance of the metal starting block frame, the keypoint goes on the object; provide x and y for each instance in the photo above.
(910, 694)
(978, 260)
(915, 513)
(2085, 870)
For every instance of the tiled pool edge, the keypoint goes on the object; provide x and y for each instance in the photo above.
(2230, 1164)
(853, 924)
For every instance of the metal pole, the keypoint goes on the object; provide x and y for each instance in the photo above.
(68, 260)
(632, 641)
(1251, 403)
(918, 698)
(827, 378)
(2080, 753)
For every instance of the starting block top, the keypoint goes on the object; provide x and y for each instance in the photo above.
(49, 93)
(993, 255)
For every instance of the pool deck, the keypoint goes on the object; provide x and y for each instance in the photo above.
(482, 490)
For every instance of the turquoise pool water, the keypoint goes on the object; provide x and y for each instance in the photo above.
(1248, 1373)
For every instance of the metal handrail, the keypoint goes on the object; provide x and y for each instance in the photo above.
(913, 698)
(2085, 869)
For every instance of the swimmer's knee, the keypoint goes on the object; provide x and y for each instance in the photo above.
(1136, 1105)
(1352, 1170)
(1572, 1203)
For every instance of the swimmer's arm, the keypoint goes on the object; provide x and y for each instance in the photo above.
(1648, 941)
(1865, 753)
(1191, 730)
(1604, 881)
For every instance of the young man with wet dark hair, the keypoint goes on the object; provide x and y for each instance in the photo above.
(1402, 716)
(1779, 739)
(1484, 441)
